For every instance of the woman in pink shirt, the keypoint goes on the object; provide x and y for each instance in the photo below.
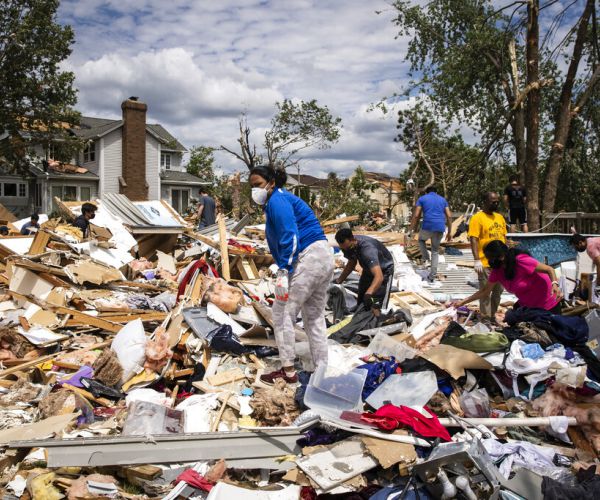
(533, 283)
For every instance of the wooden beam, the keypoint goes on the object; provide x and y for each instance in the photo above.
(341, 220)
(223, 248)
(40, 240)
(88, 320)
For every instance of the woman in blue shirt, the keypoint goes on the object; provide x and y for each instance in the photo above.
(305, 263)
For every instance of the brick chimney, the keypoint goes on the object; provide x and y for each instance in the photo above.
(133, 181)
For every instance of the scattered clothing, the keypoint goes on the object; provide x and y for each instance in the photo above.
(569, 330)
(522, 454)
(478, 342)
(588, 486)
(390, 417)
(377, 373)
(195, 480)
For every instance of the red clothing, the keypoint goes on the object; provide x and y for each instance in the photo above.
(533, 289)
(195, 480)
(390, 417)
(204, 268)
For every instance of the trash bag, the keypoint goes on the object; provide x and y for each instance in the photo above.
(223, 339)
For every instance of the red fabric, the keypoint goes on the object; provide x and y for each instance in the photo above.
(204, 268)
(390, 417)
(194, 479)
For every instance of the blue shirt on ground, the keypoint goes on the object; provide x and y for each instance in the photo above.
(433, 206)
(291, 227)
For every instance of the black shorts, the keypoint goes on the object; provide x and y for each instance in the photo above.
(517, 214)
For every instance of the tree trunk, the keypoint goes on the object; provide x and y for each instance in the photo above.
(532, 116)
(518, 122)
(563, 120)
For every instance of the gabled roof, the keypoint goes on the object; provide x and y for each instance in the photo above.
(162, 132)
(177, 177)
(309, 180)
(385, 180)
(94, 128)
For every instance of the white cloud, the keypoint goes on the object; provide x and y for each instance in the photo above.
(199, 64)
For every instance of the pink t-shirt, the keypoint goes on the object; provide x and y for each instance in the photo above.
(593, 248)
(531, 288)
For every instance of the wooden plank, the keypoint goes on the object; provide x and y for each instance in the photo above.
(88, 320)
(40, 240)
(27, 364)
(223, 248)
(341, 220)
(239, 265)
(227, 377)
(125, 318)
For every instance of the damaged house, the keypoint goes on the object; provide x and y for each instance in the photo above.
(116, 156)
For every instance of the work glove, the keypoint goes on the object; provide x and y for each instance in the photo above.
(282, 285)
(478, 267)
(370, 302)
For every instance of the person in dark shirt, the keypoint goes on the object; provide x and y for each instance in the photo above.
(206, 210)
(32, 226)
(515, 199)
(88, 212)
(377, 268)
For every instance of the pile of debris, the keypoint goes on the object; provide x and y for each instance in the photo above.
(131, 365)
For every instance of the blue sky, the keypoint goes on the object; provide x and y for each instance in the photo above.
(199, 64)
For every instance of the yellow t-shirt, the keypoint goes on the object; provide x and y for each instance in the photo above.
(486, 228)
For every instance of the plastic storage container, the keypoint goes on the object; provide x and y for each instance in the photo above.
(331, 391)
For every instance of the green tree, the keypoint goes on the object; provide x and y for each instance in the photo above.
(294, 127)
(444, 159)
(201, 163)
(347, 196)
(472, 64)
(36, 96)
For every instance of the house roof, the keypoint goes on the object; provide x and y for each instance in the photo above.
(94, 128)
(64, 171)
(309, 180)
(176, 177)
(385, 179)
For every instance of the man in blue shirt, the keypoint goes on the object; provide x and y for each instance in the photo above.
(436, 216)
(32, 226)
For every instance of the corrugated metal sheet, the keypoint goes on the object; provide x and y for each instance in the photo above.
(456, 283)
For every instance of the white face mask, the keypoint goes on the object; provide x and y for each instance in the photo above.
(259, 195)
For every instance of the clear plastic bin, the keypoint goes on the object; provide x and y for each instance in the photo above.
(386, 346)
(331, 391)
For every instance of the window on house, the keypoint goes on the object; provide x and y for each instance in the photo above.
(38, 195)
(70, 193)
(165, 161)
(9, 189)
(180, 199)
(89, 152)
(22, 190)
(85, 193)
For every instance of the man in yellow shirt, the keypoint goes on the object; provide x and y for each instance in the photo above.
(486, 226)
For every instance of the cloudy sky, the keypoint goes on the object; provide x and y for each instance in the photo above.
(199, 63)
